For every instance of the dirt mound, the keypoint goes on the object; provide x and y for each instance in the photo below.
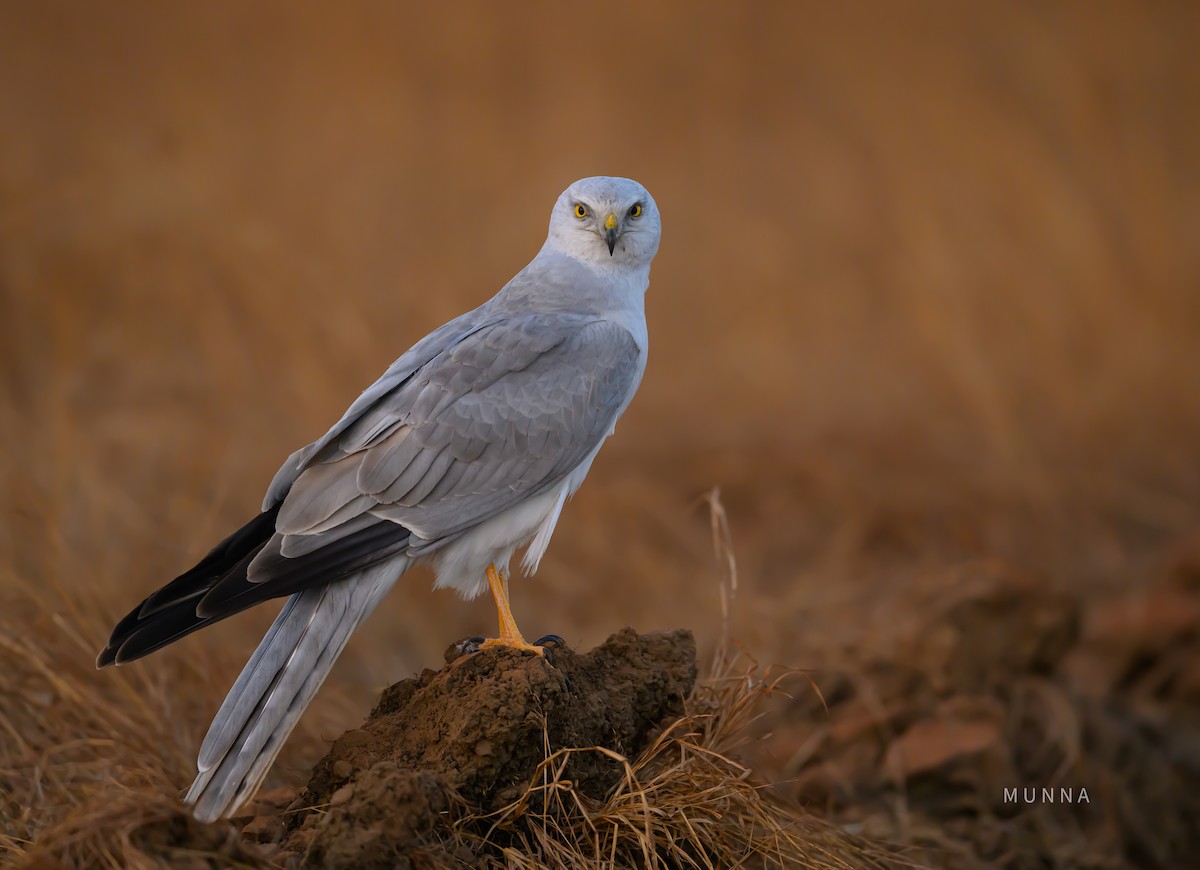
(616, 757)
(477, 732)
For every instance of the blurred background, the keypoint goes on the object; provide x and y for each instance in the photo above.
(927, 308)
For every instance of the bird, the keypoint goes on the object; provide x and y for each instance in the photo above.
(464, 451)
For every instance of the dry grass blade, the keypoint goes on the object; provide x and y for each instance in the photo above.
(727, 581)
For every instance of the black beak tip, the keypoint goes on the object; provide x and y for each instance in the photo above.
(610, 239)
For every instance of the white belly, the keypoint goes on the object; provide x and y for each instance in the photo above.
(461, 565)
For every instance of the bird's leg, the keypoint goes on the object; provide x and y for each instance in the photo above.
(510, 635)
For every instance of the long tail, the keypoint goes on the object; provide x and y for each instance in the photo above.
(277, 685)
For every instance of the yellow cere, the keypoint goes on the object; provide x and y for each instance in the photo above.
(610, 221)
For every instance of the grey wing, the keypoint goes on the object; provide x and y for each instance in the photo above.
(507, 411)
(397, 374)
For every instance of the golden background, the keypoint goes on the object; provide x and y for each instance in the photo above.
(927, 303)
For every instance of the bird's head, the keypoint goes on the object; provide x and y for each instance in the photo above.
(606, 220)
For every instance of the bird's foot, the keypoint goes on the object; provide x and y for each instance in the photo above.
(517, 643)
(542, 647)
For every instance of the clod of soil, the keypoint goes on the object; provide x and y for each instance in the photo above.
(1026, 698)
(477, 731)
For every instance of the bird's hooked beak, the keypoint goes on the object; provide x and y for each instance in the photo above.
(610, 232)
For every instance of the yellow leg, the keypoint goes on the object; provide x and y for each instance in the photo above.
(510, 635)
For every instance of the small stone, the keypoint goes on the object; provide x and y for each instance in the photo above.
(342, 795)
(342, 769)
(483, 748)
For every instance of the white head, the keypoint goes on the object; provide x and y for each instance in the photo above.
(606, 221)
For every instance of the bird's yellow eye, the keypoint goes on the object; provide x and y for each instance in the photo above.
(635, 210)
(580, 211)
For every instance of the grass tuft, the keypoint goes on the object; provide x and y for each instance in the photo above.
(685, 801)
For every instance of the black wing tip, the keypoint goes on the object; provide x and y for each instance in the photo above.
(122, 631)
(170, 612)
(220, 586)
(106, 658)
(111, 654)
(115, 656)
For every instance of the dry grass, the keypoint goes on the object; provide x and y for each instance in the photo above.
(926, 306)
(91, 767)
(685, 802)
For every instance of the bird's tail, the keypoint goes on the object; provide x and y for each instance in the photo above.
(277, 684)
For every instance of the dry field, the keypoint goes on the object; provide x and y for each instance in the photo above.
(927, 312)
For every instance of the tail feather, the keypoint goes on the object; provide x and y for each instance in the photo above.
(277, 685)
(255, 678)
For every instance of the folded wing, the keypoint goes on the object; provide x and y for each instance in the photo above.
(504, 410)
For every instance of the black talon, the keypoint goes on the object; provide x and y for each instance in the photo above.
(549, 643)
(470, 646)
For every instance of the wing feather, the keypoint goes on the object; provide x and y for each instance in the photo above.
(506, 409)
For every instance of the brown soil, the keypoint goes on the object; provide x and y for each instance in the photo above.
(1015, 718)
(475, 733)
